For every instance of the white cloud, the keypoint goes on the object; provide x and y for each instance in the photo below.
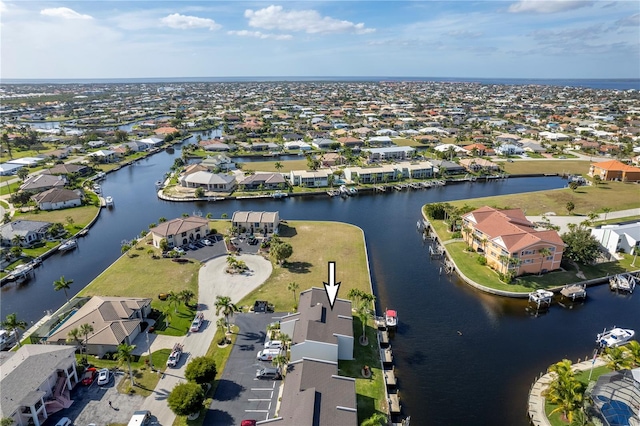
(547, 6)
(184, 22)
(261, 35)
(629, 21)
(64, 13)
(309, 21)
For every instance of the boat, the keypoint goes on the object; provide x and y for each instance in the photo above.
(344, 190)
(353, 190)
(100, 175)
(109, 201)
(159, 183)
(6, 339)
(574, 291)
(21, 273)
(279, 194)
(68, 245)
(97, 189)
(623, 282)
(391, 318)
(541, 297)
(614, 337)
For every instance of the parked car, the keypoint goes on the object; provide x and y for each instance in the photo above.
(179, 250)
(89, 376)
(193, 247)
(197, 322)
(140, 418)
(248, 423)
(269, 373)
(268, 354)
(103, 376)
(273, 344)
(65, 421)
(207, 242)
(252, 241)
(174, 358)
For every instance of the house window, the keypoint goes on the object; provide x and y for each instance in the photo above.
(184, 234)
(528, 261)
(549, 258)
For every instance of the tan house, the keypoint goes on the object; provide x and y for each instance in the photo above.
(510, 242)
(35, 382)
(256, 222)
(180, 231)
(615, 170)
(476, 164)
(115, 320)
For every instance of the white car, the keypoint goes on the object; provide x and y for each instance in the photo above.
(65, 421)
(273, 344)
(207, 242)
(103, 377)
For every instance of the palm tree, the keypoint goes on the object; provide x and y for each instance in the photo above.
(279, 361)
(278, 166)
(363, 314)
(124, 355)
(616, 358)
(221, 324)
(606, 211)
(377, 419)
(633, 352)
(224, 304)
(166, 312)
(565, 390)
(85, 330)
(174, 299)
(63, 284)
(186, 296)
(293, 286)
(74, 336)
(355, 295)
(13, 325)
(544, 252)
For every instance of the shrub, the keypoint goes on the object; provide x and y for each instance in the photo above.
(186, 398)
(201, 370)
(481, 260)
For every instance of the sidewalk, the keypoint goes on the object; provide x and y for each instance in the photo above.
(213, 281)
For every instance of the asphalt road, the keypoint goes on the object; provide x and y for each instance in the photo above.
(239, 395)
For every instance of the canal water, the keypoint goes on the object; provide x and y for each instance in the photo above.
(461, 357)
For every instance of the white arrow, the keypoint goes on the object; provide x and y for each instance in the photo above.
(332, 287)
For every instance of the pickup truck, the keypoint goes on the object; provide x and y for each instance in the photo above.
(174, 358)
(197, 322)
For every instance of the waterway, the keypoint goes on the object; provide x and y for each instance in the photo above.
(481, 377)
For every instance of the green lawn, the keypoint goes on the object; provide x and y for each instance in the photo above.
(314, 245)
(407, 142)
(524, 167)
(81, 216)
(269, 166)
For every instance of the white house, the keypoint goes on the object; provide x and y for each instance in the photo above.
(389, 153)
(317, 331)
(509, 149)
(209, 181)
(310, 178)
(58, 198)
(616, 238)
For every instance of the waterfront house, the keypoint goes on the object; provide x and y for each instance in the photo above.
(310, 178)
(379, 174)
(380, 141)
(618, 238)
(28, 231)
(115, 320)
(476, 164)
(615, 170)
(41, 182)
(508, 138)
(419, 170)
(67, 169)
(58, 198)
(616, 397)
(216, 182)
(256, 222)
(509, 149)
(104, 155)
(214, 145)
(388, 153)
(322, 143)
(446, 167)
(218, 162)
(35, 382)
(318, 331)
(316, 394)
(477, 148)
(510, 243)
(180, 231)
(262, 180)
(349, 141)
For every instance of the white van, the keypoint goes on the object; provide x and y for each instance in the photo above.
(268, 354)
(140, 418)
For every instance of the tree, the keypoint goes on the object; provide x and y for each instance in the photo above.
(278, 166)
(186, 399)
(355, 295)
(22, 173)
(565, 390)
(13, 325)
(222, 325)
(544, 252)
(86, 329)
(164, 244)
(166, 312)
(616, 358)
(363, 314)
(124, 354)
(223, 304)
(377, 419)
(597, 180)
(633, 352)
(279, 361)
(574, 186)
(280, 251)
(199, 193)
(74, 335)
(186, 296)
(606, 211)
(293, 286)
(570, 206)
(174, 299)
(581, 246)
(201, 370)
(63, 284)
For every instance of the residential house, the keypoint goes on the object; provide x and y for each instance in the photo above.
(508, 138)
(96, 144)
(26, 161)
(58, 198)
(115, 320)
(380, 141)
(443, 167)
(477, 164)
(262, 180)
(322, 143)
(615, 170)
(180, 231)
(477, 148)
(510, 242)
(255, 222)
(316, 394)
(509, 149)
(41, 182)
(163, 131)
(618, 238)
(319, 331)
(419, 170)
(616, 397)
(214, 145)
(378, 174)
(104, 155)
(7, 169)
(218, 162)
(297, 145)
(66, 169)
(331, 159)
(35, 382)
(389, 153)
(28, 231)
(310, 178)
(351, 142)
(216, 182)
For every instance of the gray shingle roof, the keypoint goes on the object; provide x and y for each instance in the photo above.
(318, 322)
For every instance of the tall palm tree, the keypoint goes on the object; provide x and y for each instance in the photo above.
(174, 299)
(13, 325)
(224, 304)
(186, 296)
(544, 252)
(355, 295)
(363, 314)
(86, 329)
(74, 335)
(278, 166)
(293, 286)
(279, 361)
(124, 355)
(63, 284)
(633, 351)
(616, 358)
(166, 312)
(565, 390)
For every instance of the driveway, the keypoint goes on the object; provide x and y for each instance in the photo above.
(206, 253)
(239, 395)
(213, 281)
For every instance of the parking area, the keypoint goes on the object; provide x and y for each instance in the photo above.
(204, 252)
(240, 395)
(91, 405)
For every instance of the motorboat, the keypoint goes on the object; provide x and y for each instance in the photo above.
(109, 201)
(97, 189)
(6, 339)
(279, 194)
(391, 318)
(353, 190)
(21, 273)
(614, 337)
(68, 245)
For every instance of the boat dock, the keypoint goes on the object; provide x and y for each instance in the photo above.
(394, 403)
(388, 370)
(386, 355)
(383, 337)
(390, 378)
(574, 291)
(541, 297)
(623, 282)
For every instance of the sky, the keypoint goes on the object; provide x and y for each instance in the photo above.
(482, 39)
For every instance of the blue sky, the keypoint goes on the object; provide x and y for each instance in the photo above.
(482, 39)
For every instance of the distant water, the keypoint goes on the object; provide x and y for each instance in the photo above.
(611, 84)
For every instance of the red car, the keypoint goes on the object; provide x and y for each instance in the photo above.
(89, 376)
(248, 423)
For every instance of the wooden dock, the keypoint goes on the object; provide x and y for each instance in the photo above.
(383, 336)
(390, 378)
(574, 291)
(394, 403)
(386, 355)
